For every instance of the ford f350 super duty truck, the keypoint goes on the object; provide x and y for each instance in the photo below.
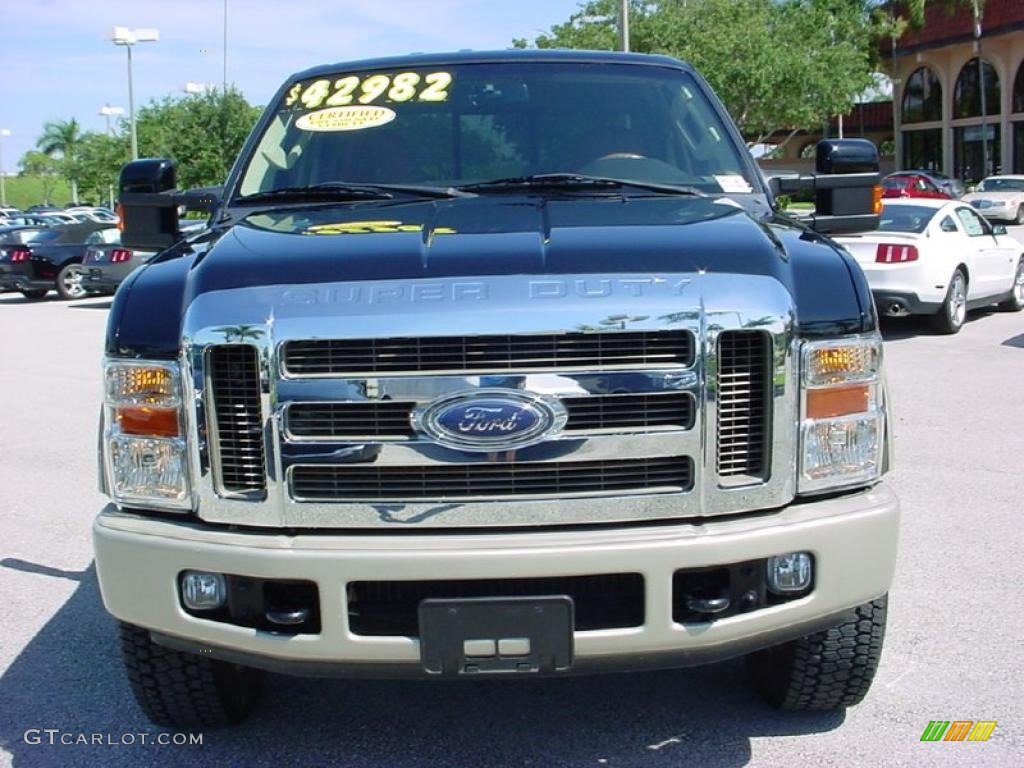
(495, 364)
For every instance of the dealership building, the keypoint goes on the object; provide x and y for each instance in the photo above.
(959, 91)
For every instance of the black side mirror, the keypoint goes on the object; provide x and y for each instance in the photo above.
(144, 222)
(149, 203)
(846, 185)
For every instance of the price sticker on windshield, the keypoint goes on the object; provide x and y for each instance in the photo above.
(369, 89)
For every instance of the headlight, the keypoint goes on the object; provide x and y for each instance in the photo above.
(144, 446)
(842, 417)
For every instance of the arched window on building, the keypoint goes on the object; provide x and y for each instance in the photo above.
(967, 101)
(1018, 90)
(922, 97)
(1018, 125)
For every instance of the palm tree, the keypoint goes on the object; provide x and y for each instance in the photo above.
(62, 137)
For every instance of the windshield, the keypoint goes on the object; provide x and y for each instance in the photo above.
(452, 125)
(1001, 185)
(905, 218)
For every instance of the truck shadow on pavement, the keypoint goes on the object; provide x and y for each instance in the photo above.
(69, 677)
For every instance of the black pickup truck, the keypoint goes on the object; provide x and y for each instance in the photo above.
(495, 364)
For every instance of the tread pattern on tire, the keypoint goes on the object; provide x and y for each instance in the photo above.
(829, 669)
(184, 690)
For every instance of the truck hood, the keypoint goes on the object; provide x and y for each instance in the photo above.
(488, 236)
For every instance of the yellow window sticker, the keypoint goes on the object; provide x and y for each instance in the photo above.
(343, 90)
(353, 118)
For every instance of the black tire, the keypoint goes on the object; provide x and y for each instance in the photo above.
(827, 670)
(69, 282)
(950, 317)
(183, 690)
(35, 293)
(1020, 214)
(1016, 301)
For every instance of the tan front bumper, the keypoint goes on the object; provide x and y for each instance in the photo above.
(852, 538)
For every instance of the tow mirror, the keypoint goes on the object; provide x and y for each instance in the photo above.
(149, 200)
(846, 186)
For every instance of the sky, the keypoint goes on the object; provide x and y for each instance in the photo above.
(57, 60)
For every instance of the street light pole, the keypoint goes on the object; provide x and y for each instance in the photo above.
(131, 107)
(128, 38)
(623, 24)
(224, 84)
(108, 111)
(3, 189)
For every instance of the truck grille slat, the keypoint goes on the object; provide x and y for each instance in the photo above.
(237, 420)
(372, 419)
(441, 482)
(342, 357)
(744, 379)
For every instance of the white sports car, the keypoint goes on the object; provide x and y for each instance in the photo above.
(939, 258)
(999, 197)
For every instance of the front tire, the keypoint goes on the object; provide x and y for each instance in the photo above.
(827, 670)
(1020, 215)
(183, 690)
(950, 318)
(1016, 301)
(35, 293)
(69, 282)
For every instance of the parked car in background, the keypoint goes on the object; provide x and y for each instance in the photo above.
(906, 184)
(950, 185)
(937, 258)
(7, 211)
(52, 260)
(95, 213)
(13, 238)
(106, 265)
(1000, 197)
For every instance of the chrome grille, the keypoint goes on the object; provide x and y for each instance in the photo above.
(744, 365)
(237, 424)
(350, 420)
(635, 412)
(497, 353)
(442, 482)
(377, 419)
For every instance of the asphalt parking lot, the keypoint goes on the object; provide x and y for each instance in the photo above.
(952, 651)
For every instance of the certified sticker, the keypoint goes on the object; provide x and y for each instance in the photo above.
(354, 118)
(732, 182)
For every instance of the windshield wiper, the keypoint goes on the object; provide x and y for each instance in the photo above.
(337, 190)
(578, 181)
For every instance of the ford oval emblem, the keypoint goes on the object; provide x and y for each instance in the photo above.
(490, 420)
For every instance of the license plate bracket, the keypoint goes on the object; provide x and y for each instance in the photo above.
(508, 635)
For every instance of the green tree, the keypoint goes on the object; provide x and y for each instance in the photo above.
(203, 132)
(98, 163)
(60, 139)
(42, 167)
(776, 64)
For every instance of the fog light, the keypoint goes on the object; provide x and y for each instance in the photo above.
(789, 573)
(202, 591)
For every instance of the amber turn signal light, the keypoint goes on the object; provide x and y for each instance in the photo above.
(837, 401)
(876, 199)
(149, 422)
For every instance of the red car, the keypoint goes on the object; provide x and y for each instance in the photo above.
(911, 185)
